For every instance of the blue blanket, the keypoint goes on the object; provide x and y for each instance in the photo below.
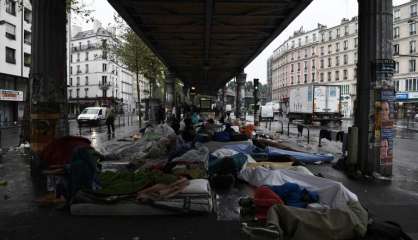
(276, 152)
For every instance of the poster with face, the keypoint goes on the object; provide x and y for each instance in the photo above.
(385, 116)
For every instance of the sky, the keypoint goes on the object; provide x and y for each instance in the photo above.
(326, 12)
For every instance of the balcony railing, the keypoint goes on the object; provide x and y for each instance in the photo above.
(85, 47)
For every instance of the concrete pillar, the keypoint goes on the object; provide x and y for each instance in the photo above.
(374, 88)
(48, 79)
(240, 80)
(170, 82)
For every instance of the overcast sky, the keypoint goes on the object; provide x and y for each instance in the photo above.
(327, 12)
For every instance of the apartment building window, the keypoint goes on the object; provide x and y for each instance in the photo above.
(70, 93)
(299, 42)
(345, 73)
(322, 51)
(78, 57)
(397, 86)
(10, 31)
(345, 59)
(78, 69)
(298, 66)
(292, 57)
(313, 63)
(78, 93)
(338, 32)
(314, 37)
(355, 57)
(396, 67)
(86, 92)
(305, 78)
(313, 51)
(355, 42)
(345, 44)
(397, 14)
(355, 73)
(292, 68)
(413, 10)
(329, 49)
(396, 32)
(412, 46)
(329, 62)
(291, 80)
(11, 7)
(28, 37)
(313, 77)
(322, 63)
(104, 80)
(104, 67)
(337, 47)
(27, 15)
(396, 49)
(322, 37)
(306, 39)
(71, 70)
(87, 56)
(10, 55)
(337, 60)
(330, 35)
(412, 66)
(71, 81)
(87, 81)
(329, 76)
(306, 52)
(337, 75)
(87, 68)
(412, 28)
(321, 77)
(27, 59)
(298, 79)
(293, 44)
(298, 54)
(411, 84)
(306, 65)
(346, 32)
(78, 81)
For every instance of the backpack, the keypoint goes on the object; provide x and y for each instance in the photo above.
(386, 230)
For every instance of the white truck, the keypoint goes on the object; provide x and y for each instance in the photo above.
(315, 103)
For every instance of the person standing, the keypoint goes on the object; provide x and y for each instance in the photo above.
(110, 122)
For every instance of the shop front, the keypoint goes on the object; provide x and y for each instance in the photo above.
(11, 106)
(406, 104)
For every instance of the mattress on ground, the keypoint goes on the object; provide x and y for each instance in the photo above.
(272, 152)
(195, 198)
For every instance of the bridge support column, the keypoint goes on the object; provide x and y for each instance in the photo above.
(240, 92)
(170, 82)
(374, 105)
(48, 80)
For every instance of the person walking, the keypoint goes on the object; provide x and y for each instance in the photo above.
(110, 122)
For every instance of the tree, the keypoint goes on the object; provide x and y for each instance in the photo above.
(138, 58)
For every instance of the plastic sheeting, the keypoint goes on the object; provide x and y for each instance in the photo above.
(331, 193)
(275, 152)
(195, 155)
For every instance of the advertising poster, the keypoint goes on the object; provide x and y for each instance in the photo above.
(386, 130)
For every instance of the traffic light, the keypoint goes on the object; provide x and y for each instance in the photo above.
(256, 84)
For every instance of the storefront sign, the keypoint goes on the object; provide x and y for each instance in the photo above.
(413, 95)
(10, 95)
(402, 96)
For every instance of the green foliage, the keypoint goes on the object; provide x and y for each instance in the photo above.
(80, 8)
(138, 58)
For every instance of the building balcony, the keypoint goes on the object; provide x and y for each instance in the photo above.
(104, 85)
(85, 47)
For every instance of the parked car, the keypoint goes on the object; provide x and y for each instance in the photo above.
(93, 115)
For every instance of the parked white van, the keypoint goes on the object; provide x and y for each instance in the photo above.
(93, 115)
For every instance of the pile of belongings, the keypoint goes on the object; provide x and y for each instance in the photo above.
(290, 204)
(148, 183)
(230, 133)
